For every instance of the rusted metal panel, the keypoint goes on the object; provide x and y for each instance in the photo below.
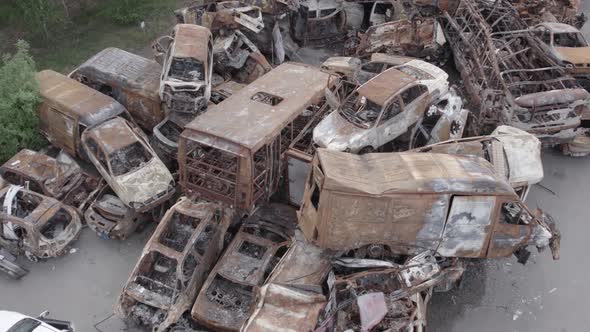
(132, 80)
(228, 296)
(174, 263)
(537, 11)
(36, 225)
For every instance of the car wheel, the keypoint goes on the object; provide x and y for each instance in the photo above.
(367, 149)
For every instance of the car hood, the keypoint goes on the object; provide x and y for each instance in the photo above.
(144, 183)
(575, 55)
(336, 133)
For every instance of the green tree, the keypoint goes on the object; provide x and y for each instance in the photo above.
(40, 16)
(19, 97)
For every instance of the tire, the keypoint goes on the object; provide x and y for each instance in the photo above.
(366, 149)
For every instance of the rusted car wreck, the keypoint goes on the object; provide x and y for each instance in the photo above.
(507, 74)
(36, 225)
(173, 265)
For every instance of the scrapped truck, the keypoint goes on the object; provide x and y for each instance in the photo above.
(36, 225)
(174, 264)
(69, 107)
(60, 177)
(234, 152)
(187, 68)
(132, 80)
(122, 155)
(402, 203)
(508, 77)
(514, 153)
(228, 295)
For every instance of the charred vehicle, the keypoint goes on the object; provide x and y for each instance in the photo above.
(508, 76)
(420, 38)
(568, 47)
(222, 15)
(185, 83)
(514, 153)
(319, 21)
(132, 80)
(228, 295)
(220, 160)
(36, 225)
(129, 165)
(562, 11)
(399, 203)
(60, 178)
(110, 218)
(69, 107)
(236, 56)
(376, 113)
(174, 263)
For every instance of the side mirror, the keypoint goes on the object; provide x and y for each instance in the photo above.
(44, 314)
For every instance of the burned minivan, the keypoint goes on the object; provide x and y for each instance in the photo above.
(185, 83)
(132, 80)
(405, 202)
(69, 107)
(234, 152)
(228, 295)
(174, 264)
(36, 225)
(123, 157)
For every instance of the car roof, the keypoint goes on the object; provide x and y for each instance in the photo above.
(36, 165)
(86, 104)
(131, 71)
(249, 123)
(9, 318)
(112, 135)
(409, 172)
(383, 86)
(191, 41)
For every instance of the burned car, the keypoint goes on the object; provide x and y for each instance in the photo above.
(508, 76)
(422, 38)
(376, 113)
(236, 56)
(129, 165)
(562, 11)
(227, 296)
(220, 160)
(185, 83)
(69, 107)
(222, 15)
(568, 47)
(399, 203)
(60, 178)
(514, 153)
(36, 225)
(319, 21)
(110, 218)
(174, 263)
(132, 80)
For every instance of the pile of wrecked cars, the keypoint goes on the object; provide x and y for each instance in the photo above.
(334, 196)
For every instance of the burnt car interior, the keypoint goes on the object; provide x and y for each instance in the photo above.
(187, 69)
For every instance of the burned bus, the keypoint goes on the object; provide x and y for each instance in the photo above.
(234, 152)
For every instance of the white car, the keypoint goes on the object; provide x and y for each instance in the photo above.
(15, 322)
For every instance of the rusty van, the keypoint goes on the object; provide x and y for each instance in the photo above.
(132, 80)
(402, 203)
(233, 153)
(69, 107)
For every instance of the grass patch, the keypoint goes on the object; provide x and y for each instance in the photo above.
(101, 27)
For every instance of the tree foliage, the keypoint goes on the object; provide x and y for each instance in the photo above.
(19, 97)
(40, 16)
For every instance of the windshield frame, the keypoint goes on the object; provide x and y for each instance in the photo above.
(132, 170)
(579, 35)
(353, 118)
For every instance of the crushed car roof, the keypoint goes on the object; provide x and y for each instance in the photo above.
(185, 41)
(248, 122)
(110, 135)
(87, 104)
(136, 72)
(383, 173)
(36, 165)
(381, 87)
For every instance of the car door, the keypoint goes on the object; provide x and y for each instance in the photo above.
(59, 128)
(388, 126)
(510, 231)
(468, 226)
(98, 158)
